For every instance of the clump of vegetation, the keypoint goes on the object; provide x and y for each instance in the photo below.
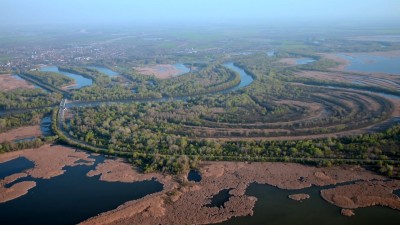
(164, 163)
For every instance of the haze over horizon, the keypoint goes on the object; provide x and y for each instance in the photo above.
(99, 12)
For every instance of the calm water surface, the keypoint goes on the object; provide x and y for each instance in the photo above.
(273, 207)
(104, 70)
(80, 81)
(364, 62)
(68, 198)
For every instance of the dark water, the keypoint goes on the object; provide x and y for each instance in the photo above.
(194, 175)
(104, 70)
(371, 63)
(14, 166)
(273, 207)
(304, 61)
(45, 126)
(70, 198)
(219, 199)
(79, 80)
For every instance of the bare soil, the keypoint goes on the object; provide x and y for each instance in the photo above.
(8, 83)
(161, 71)
(21, 133)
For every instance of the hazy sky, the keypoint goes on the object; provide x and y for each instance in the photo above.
(15, 12)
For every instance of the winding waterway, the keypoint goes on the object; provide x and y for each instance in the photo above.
(245, 80)
(79, 80)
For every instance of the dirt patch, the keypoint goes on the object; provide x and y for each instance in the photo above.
(161, 71)
(49, 162)
(20, 133)
(289, 61)
(8, 83)
(299, 197)
(364, 194)
(186, 204)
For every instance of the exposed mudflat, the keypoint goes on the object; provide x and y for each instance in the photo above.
(49, 162)
(186, 204)
(20, 133)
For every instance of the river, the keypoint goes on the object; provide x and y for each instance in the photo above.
(245, 80)
(79, 80)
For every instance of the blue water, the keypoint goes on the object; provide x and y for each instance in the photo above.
(104, 70)
(245, 79)
(182, 68)
(364, 62)
(304, 61)
(69, 198)
(80, 81)
(45, 126)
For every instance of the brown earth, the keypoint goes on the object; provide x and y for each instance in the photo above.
(186, 204)
(49, 162)
(8, 83)
(21, 133)
(161, 71)
(288, 61)
(364, 194)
